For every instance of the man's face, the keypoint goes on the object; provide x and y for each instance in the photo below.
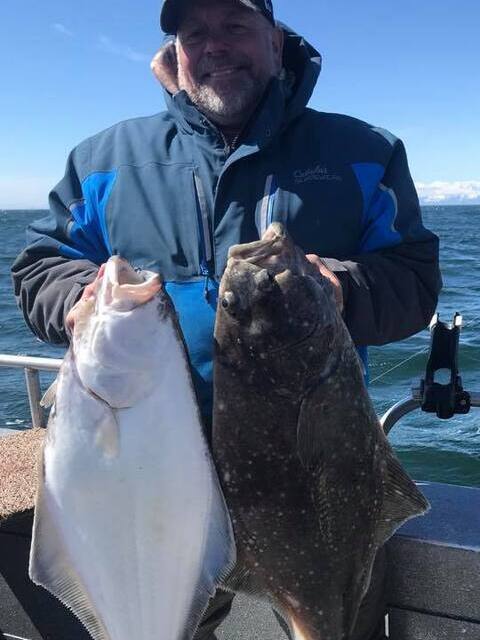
(226, 56)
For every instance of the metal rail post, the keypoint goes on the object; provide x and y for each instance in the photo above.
(31, 366)
(32, 379)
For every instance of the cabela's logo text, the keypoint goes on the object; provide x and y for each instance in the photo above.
(317, 174)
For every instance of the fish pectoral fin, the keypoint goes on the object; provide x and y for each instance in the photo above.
(310, 442)
(402, 500)
(107, 434)
(48, 397)
(50, 566)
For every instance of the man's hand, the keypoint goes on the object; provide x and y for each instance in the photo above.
(325, 271)
(88, 293)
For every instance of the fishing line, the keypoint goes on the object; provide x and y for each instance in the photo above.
(468, 357)
(400, 364)
(471, 321)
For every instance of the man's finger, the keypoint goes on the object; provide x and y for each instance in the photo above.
(88, 292)
(91, 288)
(326, 273)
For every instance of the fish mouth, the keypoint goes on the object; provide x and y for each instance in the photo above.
(275, 251)
(121, 282)
(272, 244)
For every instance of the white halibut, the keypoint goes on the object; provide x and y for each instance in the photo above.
(131, 531)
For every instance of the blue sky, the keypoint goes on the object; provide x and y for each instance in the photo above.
(70, 69)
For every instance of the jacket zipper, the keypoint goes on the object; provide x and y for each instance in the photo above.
(204, 231)
(268, 202)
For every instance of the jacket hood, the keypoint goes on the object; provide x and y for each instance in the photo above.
(302, 63)
(285, 98)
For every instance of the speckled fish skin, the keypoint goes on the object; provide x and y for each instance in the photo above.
(312, 485)
(131, 530)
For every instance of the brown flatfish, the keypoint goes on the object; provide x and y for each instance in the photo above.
(311, 482)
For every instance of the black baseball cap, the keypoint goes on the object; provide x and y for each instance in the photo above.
(171, 12)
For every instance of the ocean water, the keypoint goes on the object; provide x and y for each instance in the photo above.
(431, 449)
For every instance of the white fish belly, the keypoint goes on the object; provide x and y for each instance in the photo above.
(131, 529)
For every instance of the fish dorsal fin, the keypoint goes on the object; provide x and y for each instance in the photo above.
(49, 396)
(219, 562)
(51, 568)
(243, 580)
(238, 580)
(401, 499)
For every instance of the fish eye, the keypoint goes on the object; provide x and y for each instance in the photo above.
(265, 280)
(228, 301)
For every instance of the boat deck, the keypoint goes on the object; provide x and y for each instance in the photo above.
(433, 591)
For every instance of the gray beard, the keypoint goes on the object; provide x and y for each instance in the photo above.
(230, 109)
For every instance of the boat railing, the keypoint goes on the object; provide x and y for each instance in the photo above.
(32, 367)
(407, 405)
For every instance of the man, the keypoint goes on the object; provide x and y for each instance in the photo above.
(236, 149)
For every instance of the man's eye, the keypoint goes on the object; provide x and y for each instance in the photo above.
(237, 29)
(192, 37)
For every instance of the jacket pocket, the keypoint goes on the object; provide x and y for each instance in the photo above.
(152, 217)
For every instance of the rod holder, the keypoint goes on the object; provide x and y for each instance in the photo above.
(444, 399)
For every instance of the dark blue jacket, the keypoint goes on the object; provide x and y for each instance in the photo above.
(167, 193)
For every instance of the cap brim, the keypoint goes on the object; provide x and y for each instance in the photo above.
(172, 9)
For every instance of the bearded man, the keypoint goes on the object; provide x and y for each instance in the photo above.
(236, 149)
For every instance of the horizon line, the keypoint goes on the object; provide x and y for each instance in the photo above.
(422, 204)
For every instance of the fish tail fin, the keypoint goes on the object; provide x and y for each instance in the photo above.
(402, 499)
(298, 632)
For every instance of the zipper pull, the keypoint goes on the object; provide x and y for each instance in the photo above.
(205, 288)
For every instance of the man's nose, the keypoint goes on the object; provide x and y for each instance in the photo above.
(215, 42)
